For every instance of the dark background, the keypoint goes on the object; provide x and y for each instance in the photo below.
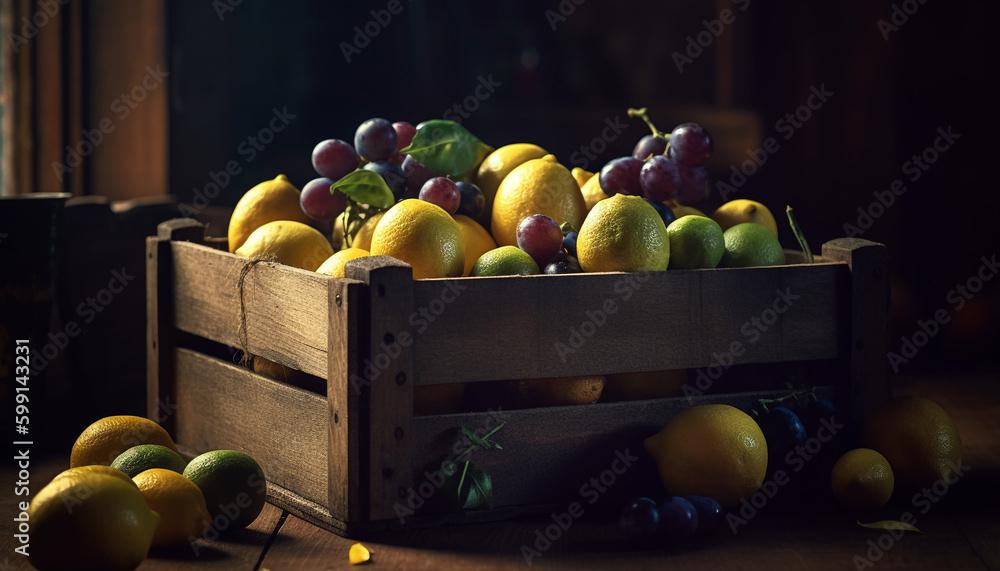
(558, 86)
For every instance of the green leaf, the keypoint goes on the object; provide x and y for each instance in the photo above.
(484, 442)
(475, 488)
(890, 525)
(446, 147)
(365, 187)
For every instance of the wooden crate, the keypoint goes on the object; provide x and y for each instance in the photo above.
(348, 459)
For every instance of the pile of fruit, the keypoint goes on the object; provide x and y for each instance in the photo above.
(128, 490)
(447, 204)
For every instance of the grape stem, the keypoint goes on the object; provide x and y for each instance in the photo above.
(641, 113)
(799, 235)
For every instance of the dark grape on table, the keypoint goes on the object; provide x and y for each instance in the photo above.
(660, 178)
(690, 144)
(541, 237)
(473, 203)
(392, 175)
(649, 145)
(334, 159)
(621, 176)
(443, 192)
(375, 140)
(318, 203)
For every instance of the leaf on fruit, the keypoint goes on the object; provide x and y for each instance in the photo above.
(365, 187)
(890, 525)
(446, 147)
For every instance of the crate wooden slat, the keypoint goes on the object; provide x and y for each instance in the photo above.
(349, 459)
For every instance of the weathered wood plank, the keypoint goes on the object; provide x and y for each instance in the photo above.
(548, 326)
(222, 406)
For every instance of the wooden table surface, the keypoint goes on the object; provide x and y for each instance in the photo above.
(960, 532)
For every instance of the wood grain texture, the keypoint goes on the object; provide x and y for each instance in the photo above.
(282, 427)
(547, 326)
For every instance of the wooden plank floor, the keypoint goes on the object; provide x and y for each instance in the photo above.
(960, 532)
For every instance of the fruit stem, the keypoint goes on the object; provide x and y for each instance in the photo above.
(799, 235)
(641, 113)
(488, 434)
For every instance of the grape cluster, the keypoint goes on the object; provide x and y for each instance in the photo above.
(675, 519)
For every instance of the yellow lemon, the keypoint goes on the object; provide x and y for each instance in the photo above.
(862, 480)
(90, 520)
(99, 469)
(538, 186)
(334, 265)
(270, 200)
(104, 440)
(289, 243)
(498, 164)
(581, 176)
(680, 211)
(363, 239)
(623, 234)
(918, 438)
(178, 501)
(138, 459)
(592, 192)
(233, 484)
(742, 210)
(424, 236)
(477, 241)
(713, 450)
(748, 245)
(560, 391)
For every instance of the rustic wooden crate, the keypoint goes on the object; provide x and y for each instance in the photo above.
(347, 459)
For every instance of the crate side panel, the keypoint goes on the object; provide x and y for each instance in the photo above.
(548, 326)
(221, 406)
(286, 309)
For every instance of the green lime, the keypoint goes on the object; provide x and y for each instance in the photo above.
(505, 261)
(751, 244)
(695, 242)
(138, 459)
(233, 484)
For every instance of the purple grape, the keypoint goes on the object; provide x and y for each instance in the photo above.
(660, 178)
(690, 144)
(783, 431)
(621, 175)
(649, 145)
(443, 192)
(391, 174)
(666, 214)
(678, 519)
(563, 265)
(569, 242)
(334, 159)
(416, 174)
(640, 520)
(404, 136)
(695, 185)
(540, 237)
(473, 202)
(319, 203)
(375, 140)
(709, 512)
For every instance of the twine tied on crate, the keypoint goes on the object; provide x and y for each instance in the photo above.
(242, 334)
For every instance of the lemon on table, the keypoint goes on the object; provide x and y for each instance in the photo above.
(681, 211)
(862, 480)
(592, 191)
(178, 501)
(105, 439)
(233, 484)
(498, 164)
(538, 186)
(138, 459)
(695, 242)
(713, 450)
(95, 469)
(750, 244)
(918, 438)
(363, 239)
(623, 234)
(286, 242)
(559, 391)
(505, 261)
(424, 236)
(270, 200)
(742, 210)
(477, 241)
(90, 520)
(334, 265)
